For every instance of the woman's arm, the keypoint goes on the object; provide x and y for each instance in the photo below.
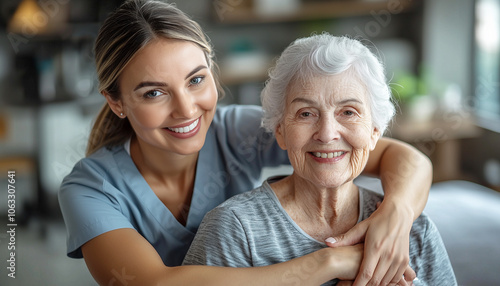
(405, 172)
(406, 176)
(124, 257)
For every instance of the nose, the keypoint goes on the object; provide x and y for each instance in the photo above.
(185, 105)
(327, 129)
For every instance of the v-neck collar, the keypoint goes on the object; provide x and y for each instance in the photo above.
(202, 199)
(149, 199)
(207, 194)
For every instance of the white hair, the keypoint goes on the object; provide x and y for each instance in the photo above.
(325, 54)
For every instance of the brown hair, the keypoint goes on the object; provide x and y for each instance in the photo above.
(126, 31)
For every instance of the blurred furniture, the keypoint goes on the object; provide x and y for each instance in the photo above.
(3, 127)
(440, 139)
(268, 27)
(467, 216)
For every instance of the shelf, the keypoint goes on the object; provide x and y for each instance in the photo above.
(440, 140)
(245, 14)
(442, 128)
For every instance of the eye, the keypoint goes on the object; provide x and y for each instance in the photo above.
(152, 94)
(196, 80)
(348, 113)
(306, 114)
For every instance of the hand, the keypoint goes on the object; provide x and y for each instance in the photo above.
(386, 239)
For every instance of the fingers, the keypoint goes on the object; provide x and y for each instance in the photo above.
(344, 283)
(354, 236)
(384, 262)
(410, 274)
(391, 278)
(394, 273)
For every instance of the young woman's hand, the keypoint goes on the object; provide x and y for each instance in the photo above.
(386, 245)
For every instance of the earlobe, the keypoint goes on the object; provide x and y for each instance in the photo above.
(115, 105)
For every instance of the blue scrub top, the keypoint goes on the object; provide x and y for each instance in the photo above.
(105, 191)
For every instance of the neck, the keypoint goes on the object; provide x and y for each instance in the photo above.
(334, 208)
(159, 163)
(170, 176)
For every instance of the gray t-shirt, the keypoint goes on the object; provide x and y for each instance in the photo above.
(253, 229)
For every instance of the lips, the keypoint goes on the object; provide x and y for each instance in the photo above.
(328, 156)
(186, 130)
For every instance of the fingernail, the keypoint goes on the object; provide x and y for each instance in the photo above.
(331, 240)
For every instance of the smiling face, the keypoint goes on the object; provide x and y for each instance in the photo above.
(327, 129)
(169, 96)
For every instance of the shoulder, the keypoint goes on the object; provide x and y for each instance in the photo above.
(99, 161)
(424, 227)
(368, 201)
(92, 172)
(243, 206)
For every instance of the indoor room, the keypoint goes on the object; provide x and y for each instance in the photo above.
(442, 63)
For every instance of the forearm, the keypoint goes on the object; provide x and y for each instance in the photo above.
(406, 174)
(312, 269)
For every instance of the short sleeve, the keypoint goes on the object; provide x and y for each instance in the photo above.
(220, 241)
(89, 207)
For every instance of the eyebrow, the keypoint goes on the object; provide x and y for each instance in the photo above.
(160, 83)
(355, 100)
(308, 101)
(149, 83)
(195, 70)
(301, 99)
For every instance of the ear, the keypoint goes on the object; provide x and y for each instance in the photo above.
(115, 105)
(280, 138)
(374, 138)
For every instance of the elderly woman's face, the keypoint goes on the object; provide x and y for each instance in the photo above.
(327, 129)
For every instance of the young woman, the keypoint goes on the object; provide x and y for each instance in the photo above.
(161, 155)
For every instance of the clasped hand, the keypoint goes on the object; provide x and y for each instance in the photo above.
(385, 235)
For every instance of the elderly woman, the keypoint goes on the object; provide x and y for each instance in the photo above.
(328, 103)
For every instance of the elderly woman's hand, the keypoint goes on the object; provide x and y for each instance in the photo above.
(386, 237)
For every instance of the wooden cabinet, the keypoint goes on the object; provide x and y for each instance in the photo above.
(440, 139)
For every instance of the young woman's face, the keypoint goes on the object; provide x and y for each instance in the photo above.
(169, 96)
(327, 129)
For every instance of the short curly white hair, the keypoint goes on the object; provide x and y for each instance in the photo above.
(325, 54)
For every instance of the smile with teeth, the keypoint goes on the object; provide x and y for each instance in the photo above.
(185, 129)
(328, 155)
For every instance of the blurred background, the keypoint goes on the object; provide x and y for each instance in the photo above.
(442, 59)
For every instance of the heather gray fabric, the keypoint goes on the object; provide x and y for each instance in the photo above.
(252, 229)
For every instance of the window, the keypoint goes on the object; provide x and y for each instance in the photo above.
(487, 63)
